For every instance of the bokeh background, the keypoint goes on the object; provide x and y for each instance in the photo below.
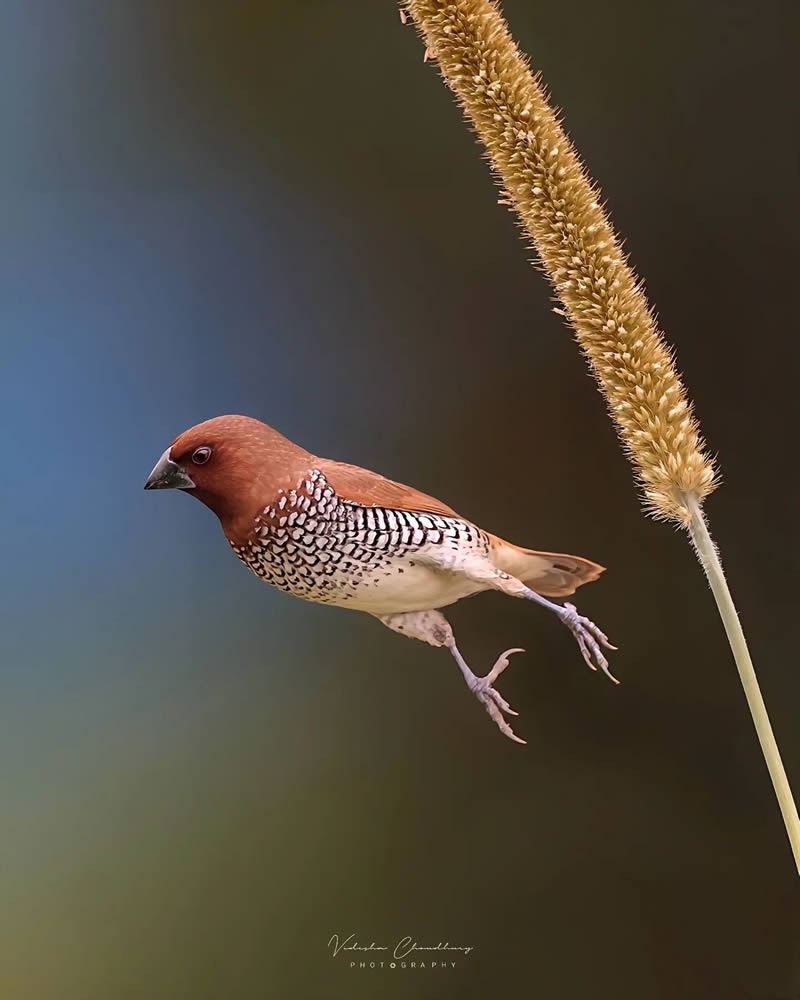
(275, 209)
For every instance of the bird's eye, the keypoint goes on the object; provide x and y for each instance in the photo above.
(201, 455)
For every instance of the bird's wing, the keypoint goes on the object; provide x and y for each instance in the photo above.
(373, 490)
(554, 574)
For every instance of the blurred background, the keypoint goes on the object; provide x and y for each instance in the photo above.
(275, 209)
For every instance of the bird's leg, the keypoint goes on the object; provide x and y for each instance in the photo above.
(485, 692)
(588, 636)
(432, 627)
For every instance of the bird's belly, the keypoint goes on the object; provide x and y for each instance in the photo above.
(404, 586)
(379, 583)
(370, 559)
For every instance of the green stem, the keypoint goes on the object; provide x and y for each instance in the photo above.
(709, 559)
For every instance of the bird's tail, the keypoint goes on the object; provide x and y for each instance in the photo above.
(550, 573)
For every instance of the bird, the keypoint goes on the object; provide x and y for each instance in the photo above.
(338, 534)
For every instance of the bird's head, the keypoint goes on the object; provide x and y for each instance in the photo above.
(233, 464)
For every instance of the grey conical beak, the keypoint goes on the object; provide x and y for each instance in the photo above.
(168, 475)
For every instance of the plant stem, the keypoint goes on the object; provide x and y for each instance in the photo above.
(709, 559)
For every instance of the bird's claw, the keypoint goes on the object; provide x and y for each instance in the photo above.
(589, 639)
(491, 699)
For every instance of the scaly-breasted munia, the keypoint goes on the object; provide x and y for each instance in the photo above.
(342, 535)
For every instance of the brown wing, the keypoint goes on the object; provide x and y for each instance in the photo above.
(373, 490)
(551, 573)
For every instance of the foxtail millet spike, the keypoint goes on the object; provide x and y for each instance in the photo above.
(560, 209)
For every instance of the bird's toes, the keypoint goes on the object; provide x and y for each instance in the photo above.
(589, 638)
(500, 701)
(500, 664)
(491, 699)
(502, 725)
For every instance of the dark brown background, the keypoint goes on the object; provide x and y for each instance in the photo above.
(276, 209)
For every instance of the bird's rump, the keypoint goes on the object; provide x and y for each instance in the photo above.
(554, 574)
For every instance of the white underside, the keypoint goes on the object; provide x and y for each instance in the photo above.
(418, 588)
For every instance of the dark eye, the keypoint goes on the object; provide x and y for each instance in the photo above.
(201, 455)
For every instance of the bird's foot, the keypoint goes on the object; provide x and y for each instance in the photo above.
(589, 639)
(491, 699)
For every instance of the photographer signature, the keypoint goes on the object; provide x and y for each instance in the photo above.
(403, 948)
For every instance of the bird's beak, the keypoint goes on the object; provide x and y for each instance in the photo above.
(168, 475)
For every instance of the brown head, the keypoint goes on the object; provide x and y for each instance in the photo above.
(235, 465)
